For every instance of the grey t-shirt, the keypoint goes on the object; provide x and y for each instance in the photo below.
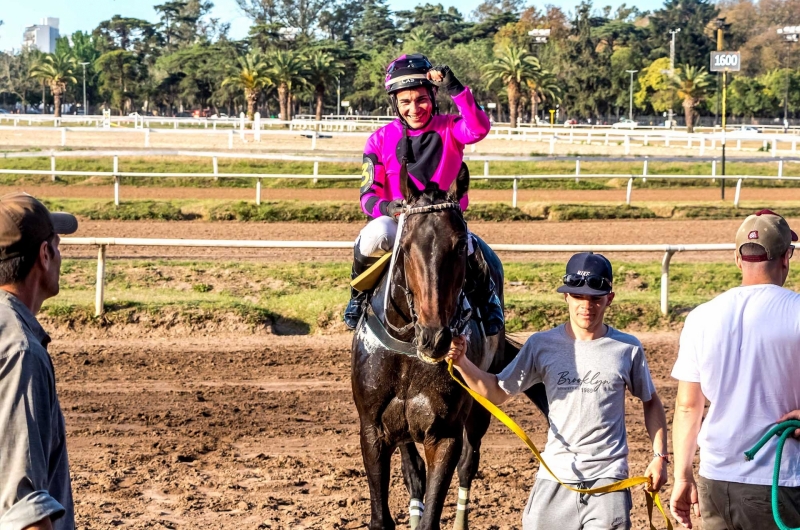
(585, 383)
(34, 472)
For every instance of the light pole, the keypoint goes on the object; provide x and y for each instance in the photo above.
(338, 97)
(790, 34)
(85, 110)
(672, 66)
(630, 103)
(540, 36)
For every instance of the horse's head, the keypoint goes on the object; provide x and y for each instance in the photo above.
(434, 250)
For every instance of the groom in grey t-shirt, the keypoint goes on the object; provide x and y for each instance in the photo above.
(585, 366)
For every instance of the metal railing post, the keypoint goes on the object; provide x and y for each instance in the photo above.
(53, 168)
(630, 189)
(738, 193)
(258, 192)
(577, 169)
(316, 171)
(63, 136)
(215, 163)
(101, 281)
(514, 197)
(485, 168)
(780, 168)
(665, 281)
(714, 170)
(644, 169)
(116, 180)
(313, 140)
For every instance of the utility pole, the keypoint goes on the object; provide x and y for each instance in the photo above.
(672, 66)
(720, 47)
(85, 108)
(790, 34)
(630, 102)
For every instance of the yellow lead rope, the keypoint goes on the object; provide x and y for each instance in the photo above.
(652, 497)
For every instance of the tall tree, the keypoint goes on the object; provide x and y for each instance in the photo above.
(322, 69)
(287, 70)
(543, 87)
(491, 8)
(375, 29)
(691, 84)
(252, 77)
(514, 68)
(118, 70)
(57, 71)
(300, 16)
(694, 43)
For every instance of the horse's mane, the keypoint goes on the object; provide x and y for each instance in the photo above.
(432, 194)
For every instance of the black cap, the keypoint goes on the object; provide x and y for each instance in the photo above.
(588, 264)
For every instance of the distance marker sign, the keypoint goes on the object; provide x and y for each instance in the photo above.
(725, 62)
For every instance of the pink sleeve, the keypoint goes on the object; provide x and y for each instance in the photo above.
(473, 124)
(373, 179)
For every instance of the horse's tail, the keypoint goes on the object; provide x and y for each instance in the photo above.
(536, 393)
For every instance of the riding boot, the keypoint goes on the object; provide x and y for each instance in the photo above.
(355, 307)
(482, 292)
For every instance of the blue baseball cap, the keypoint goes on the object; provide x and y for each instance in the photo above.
(588, 274)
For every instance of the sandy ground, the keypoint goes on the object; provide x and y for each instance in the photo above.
(48, 138)
(650, 231)
(261, 432)
(639, 196)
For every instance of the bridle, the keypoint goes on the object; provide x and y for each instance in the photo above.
(460, 319)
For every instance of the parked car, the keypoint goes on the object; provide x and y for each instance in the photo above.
(4, 111)
(570, 123)
(624, 123)
(749, 129)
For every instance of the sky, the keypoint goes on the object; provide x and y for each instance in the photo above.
(85, 15)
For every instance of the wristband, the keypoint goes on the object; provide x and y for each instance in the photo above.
(664, 456)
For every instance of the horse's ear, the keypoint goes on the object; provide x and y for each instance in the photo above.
(407, 186)
(460, 185)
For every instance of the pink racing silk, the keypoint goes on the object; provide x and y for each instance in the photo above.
(436, 153)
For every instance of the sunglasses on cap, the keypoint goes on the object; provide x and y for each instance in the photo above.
(598, 283)
(409, 62)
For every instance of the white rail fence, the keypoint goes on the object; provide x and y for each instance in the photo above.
(253, 131)
(315, 176)
(104, 243)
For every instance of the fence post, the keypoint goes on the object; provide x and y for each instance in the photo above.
(688, 142)
(230, 139)
(644, 169)
(589, 138)
(627, 144)
(714, 170)
(147, 137)
(665, 281)
(702, 146)
(53, 167)
(577, 169)
(485, 168)
(606, 142)
(215, 163)
(257, 127)
(738, 193)
(313, 140)
(514, 197)
(258, 192)
(116, 180)
(570, 135)
(241, 126)
(552, 144)
(645, 140)
(101, 281)
(774, 147)
(666, 140)
(316, 171)
(63, 136)
(630, 189)
(780, 168)
(738, 145)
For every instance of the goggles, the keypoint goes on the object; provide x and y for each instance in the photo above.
(598, 283)
(416, 62)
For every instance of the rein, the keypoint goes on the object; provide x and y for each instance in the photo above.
(460, 320)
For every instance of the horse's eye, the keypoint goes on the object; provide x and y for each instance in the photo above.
(461, 246)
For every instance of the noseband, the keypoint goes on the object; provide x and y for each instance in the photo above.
(460, 319)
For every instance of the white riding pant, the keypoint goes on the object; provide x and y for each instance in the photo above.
(377, 237)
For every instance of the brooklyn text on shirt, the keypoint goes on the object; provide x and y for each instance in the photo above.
(591, 382)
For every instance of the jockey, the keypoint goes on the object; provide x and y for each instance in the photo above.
(431, 147)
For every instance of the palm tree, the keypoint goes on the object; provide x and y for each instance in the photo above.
(514, 68)
(690, 84)
(57, 70)
(543, 87)
(420, 40)
(252, 76)
(287, 70)
(322, 68)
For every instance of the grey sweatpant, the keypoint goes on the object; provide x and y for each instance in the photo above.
(550, 506)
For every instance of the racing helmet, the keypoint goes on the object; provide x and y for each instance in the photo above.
(408, 71)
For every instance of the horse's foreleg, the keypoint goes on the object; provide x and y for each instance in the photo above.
(476, 426)
(442, 457)
(414, 476)
(377, 457)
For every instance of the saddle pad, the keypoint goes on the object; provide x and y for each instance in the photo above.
(370, 277)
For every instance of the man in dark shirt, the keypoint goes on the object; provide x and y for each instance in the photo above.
(35, 490)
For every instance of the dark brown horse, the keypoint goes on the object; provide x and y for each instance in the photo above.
(403, 395)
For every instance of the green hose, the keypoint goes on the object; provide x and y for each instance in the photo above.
(783, 430)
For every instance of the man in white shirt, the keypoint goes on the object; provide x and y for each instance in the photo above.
(586, 367)
(741, 352)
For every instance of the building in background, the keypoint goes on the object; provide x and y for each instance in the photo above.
(42, 36)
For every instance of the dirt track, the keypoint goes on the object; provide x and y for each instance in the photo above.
(680, 195)
(261, 432)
